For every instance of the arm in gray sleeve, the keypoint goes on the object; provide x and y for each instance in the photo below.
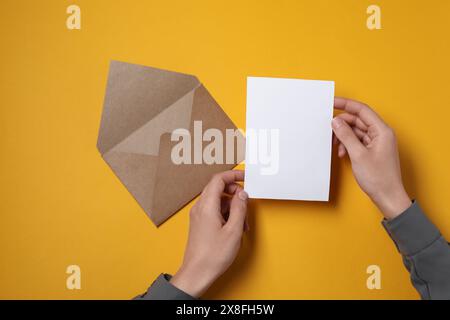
(426, 254)
(162, 289)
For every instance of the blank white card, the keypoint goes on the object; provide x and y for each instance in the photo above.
(288, 138)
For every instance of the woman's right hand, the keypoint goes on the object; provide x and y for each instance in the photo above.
(372, 147)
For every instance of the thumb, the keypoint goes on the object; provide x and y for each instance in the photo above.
(346, 135)
(238, 210)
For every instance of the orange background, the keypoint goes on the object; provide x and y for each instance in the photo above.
(61, 204)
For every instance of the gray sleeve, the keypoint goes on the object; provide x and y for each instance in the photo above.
(162, 289)
(426, 254)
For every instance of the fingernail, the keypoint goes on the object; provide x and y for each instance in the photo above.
(337, 122)
(243, 195)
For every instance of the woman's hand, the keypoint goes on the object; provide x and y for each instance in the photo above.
(372, 147)
(217, 222)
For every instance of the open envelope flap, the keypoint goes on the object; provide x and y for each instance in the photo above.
(145, 140)
(176, 185)
(136, 94)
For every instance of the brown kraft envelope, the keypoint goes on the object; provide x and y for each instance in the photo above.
(142, 107)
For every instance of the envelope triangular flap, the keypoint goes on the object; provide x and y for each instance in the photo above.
(145, 140)
(136, 94)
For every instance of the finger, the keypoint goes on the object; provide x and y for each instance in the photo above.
(353, 121)
(367, 140)
(231, 188)
(217, 184)
(347, 137)
(359, 133)
(362, 136)
(238, 211)
(364, 112)
(341, 150)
